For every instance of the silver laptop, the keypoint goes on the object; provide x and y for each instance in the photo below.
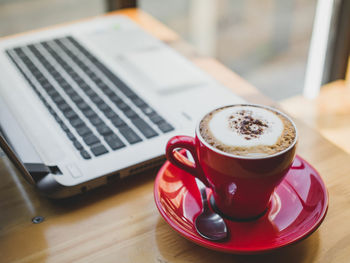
(93, 102)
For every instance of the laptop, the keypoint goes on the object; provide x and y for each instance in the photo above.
(89, 103)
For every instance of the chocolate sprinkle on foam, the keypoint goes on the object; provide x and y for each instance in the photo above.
(243, 123)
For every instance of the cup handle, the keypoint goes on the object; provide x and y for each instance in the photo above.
(179, 160)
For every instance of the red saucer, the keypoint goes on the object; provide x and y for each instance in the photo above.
(297, 207)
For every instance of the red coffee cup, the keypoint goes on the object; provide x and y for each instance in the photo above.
(241, 185)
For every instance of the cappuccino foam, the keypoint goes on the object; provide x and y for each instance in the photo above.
(247, 130)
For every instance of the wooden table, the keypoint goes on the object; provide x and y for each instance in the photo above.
(120, 223)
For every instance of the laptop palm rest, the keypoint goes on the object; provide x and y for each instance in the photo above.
(164, 70)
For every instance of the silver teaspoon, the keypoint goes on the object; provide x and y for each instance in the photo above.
(208, 224)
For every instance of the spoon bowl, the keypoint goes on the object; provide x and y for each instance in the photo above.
(209, 224)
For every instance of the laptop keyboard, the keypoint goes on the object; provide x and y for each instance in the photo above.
(98, 112)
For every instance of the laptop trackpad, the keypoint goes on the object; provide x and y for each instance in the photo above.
(166, 70)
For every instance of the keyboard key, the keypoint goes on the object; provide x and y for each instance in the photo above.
(76, 77)
(126, 90)
(90, 93)
(148, 110)
(41, 97)
(91, 139)
(114, 142)
(59, 78)
(69, 114)
(78, 145)
(53, 93)
(144, 128)
(65, 85)
(165, 127)
(83, 130)
(76, 122)
(111, 114)
(64, 106)
(89, 72)
(155, 118)
(47, 86)
(122, 105)
(104, 107)
(98, 150)
(57, 118)
(76, 98)
(85, 154)
(85, 87)
(129, 135)
(139, 102)
(115, 98)
(89, 113)
(71, 136)
(104, 129)
(118, 122)
(70, 91)
(83, 105)
(95, 120)
(94, 77)
(73, 93)
(107, 90)
(96, 99)
(51, 110)
(130, 113)
(58, 99)
(64, 127)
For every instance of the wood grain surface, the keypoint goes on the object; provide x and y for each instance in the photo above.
(120, 222)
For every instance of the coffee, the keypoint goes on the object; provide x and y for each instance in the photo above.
(247, 130)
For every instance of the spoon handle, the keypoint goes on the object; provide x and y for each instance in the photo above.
(202, 190)
(200, 185)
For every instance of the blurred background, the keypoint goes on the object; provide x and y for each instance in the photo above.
(264, 41)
